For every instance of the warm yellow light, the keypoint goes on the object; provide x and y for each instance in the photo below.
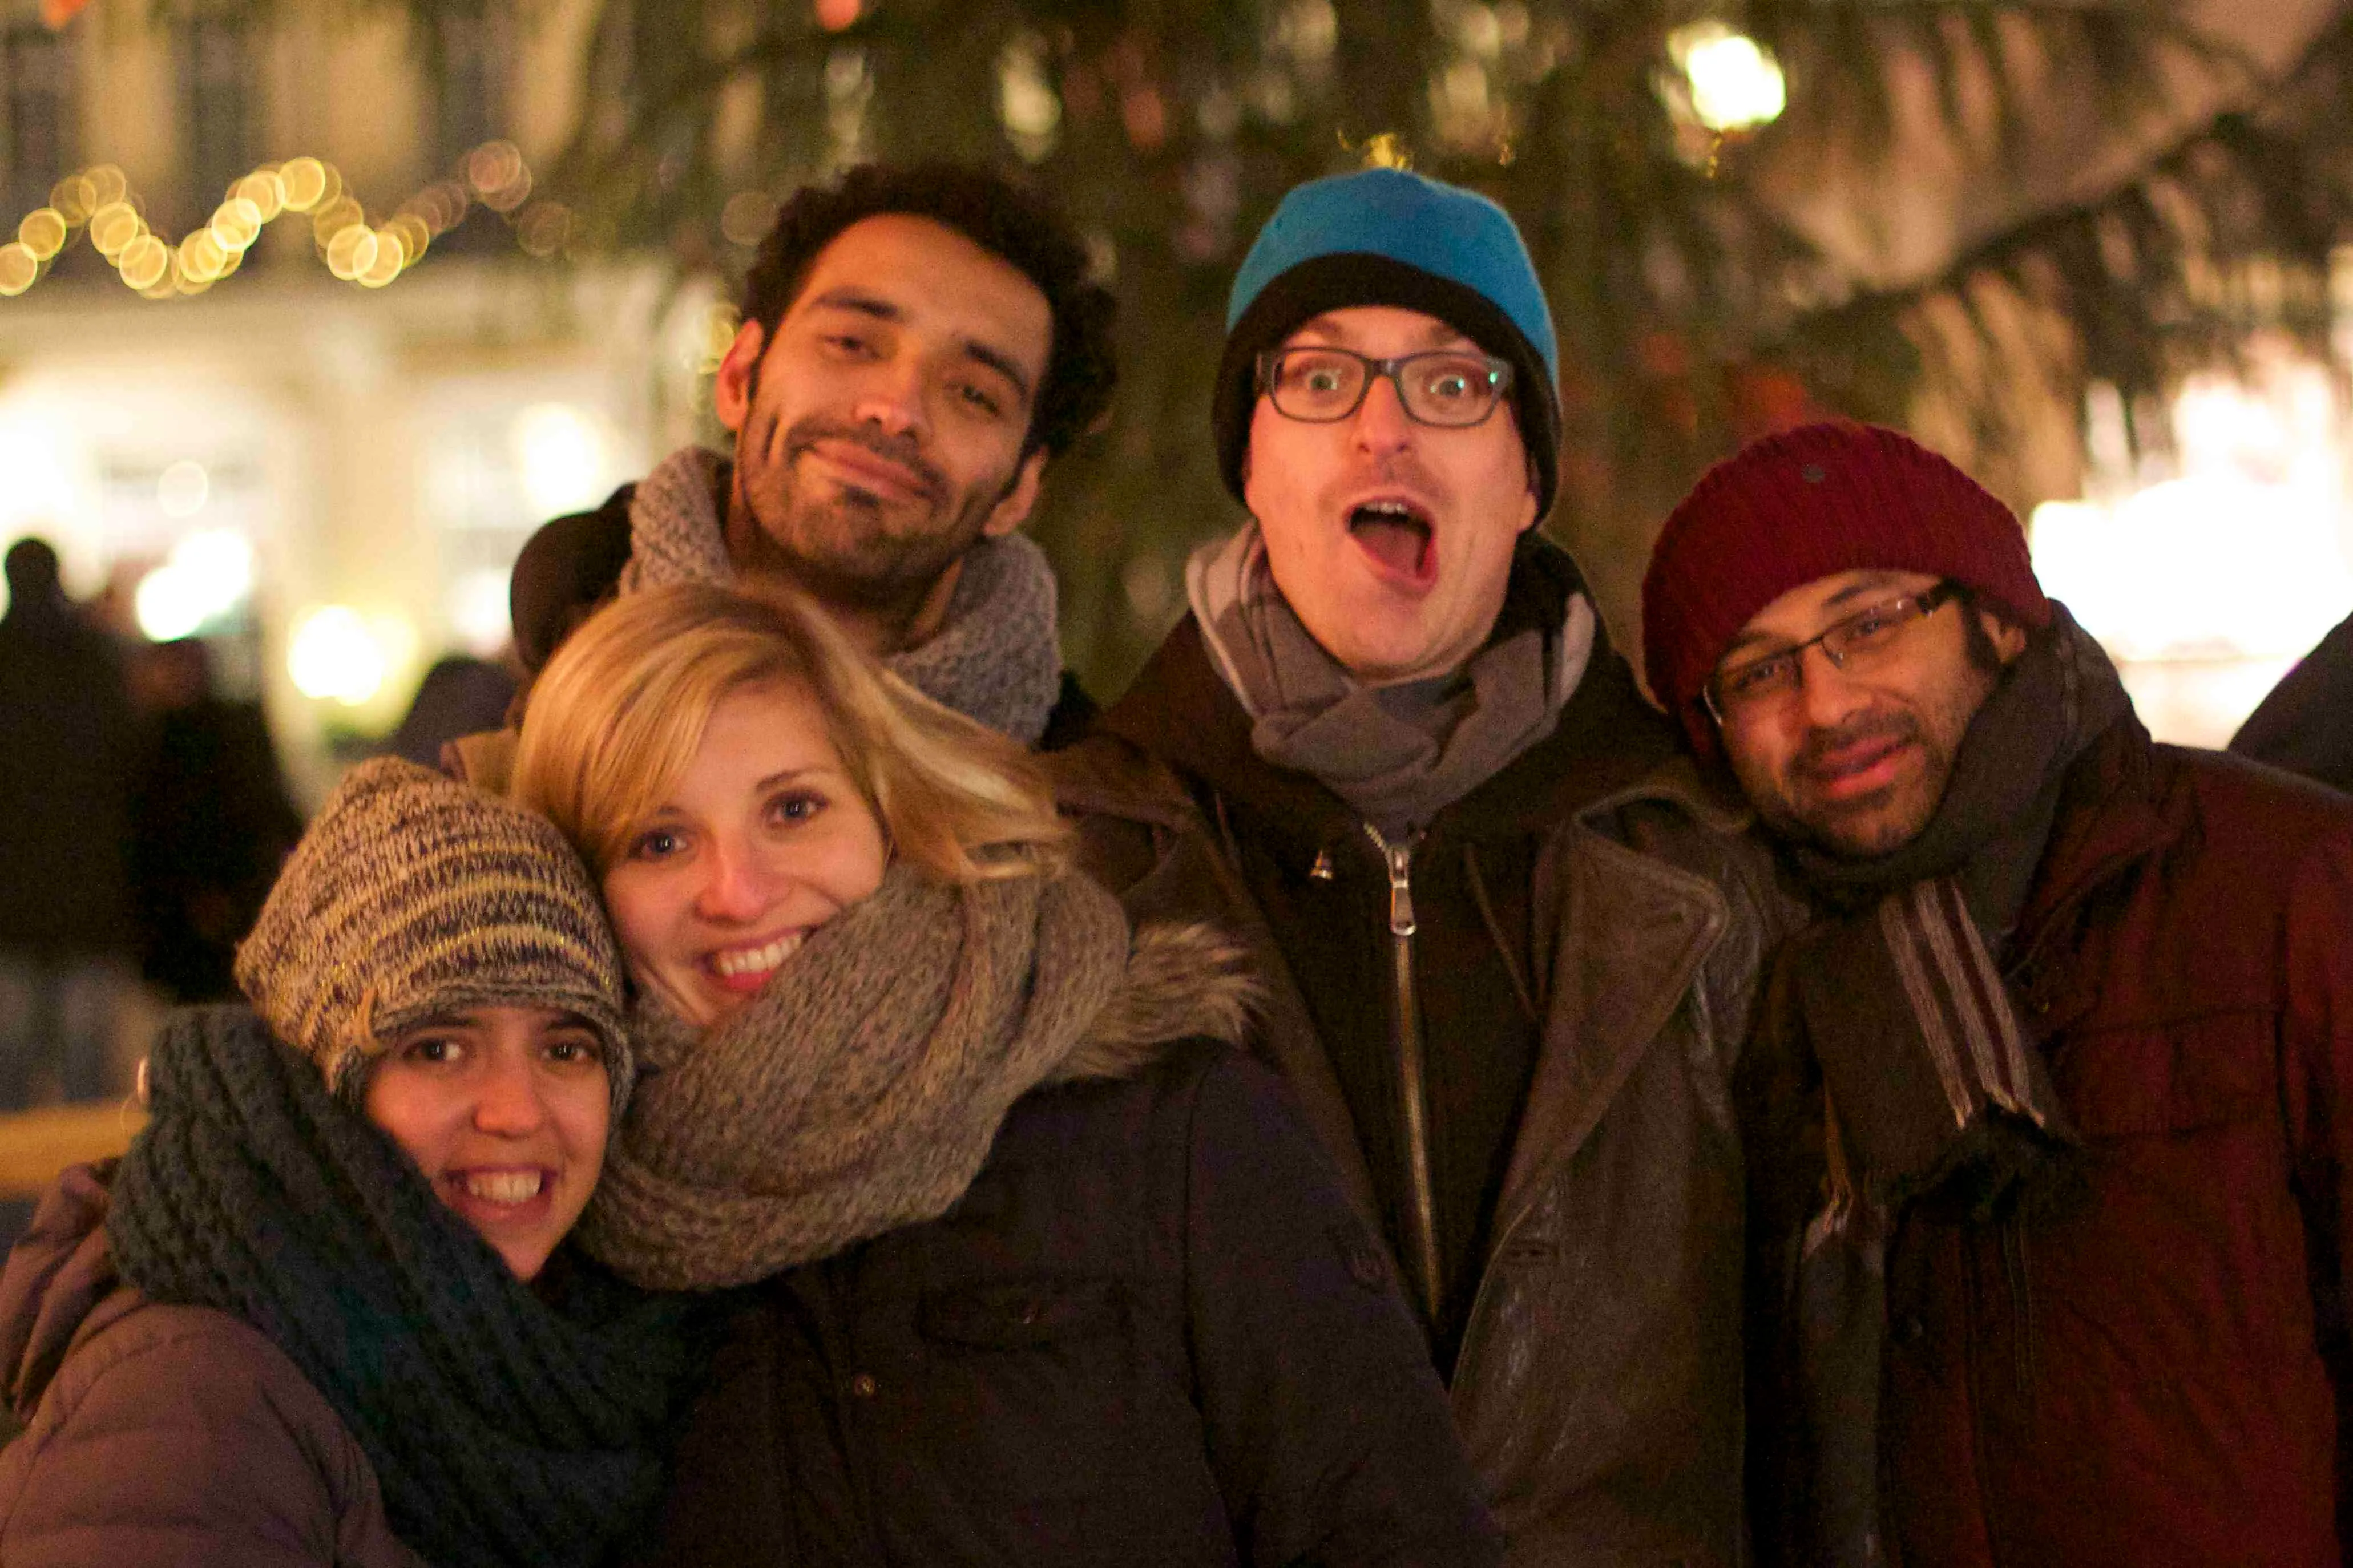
(237, 223)
(19, 268)
(183, 489)
(75, 196)
(331, 218)
(107, 185)
(351, 252)
(415, 235)
(144, 262)
(333, 654)
(202, 259)
(1736, 83)
(209, 574)
(384, 264)
(304, 180)
(113, 226)
(563, 458)
(266, 191)
(43, 232)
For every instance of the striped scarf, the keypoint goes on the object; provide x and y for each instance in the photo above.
(1936, 1086)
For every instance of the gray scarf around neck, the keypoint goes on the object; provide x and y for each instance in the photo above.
(997, 658)
(862, 1089)
(1397, 755)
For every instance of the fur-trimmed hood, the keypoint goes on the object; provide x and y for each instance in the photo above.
(1184, 982)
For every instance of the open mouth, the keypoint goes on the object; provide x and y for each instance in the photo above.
(746, 968)
(504, 1187)
(1397, 535)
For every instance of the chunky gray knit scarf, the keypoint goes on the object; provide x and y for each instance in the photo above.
(1397, 755)
(862, 1089)
(996, 658)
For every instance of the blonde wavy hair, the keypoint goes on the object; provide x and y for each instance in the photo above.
(616, 717)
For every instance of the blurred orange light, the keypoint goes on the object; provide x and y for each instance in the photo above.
(833, 16)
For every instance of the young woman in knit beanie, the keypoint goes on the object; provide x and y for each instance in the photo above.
(318, 1314)
(1031, 1267)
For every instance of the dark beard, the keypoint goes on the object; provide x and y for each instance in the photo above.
(843, 551)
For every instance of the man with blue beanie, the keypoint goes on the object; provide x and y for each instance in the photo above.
(1510, 944)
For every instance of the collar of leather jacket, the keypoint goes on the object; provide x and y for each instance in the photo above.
(1609, 745)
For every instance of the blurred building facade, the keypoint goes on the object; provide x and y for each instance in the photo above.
(325, 480)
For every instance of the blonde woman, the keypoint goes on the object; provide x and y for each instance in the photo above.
(1035, 1268)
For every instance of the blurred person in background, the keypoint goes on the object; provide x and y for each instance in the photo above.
(68, 769)
(2305, 725)
(212, 821)
(459, 696)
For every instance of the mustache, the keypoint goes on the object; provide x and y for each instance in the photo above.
(1821, 743)
(902, 450)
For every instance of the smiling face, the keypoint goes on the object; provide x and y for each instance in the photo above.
(505, 1111)
(880, 433)
(1391, 541)
(1857, 760)
(763, 838)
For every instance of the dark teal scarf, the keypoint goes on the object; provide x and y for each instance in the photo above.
(503, 1430)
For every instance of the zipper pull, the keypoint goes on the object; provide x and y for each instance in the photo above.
(1400, 863)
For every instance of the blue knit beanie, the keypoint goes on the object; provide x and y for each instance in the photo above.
(1386, 237)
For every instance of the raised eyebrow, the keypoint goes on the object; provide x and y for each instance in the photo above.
(786, 776)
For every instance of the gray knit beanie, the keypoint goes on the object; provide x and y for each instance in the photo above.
(413, 896)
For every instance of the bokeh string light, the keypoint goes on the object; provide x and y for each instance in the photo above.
(98, 202)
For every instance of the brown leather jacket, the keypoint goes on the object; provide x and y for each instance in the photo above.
(163, 1437)
(1598, 1383)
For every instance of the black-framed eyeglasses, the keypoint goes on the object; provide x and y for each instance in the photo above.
(1448, 387)
(1854, 643)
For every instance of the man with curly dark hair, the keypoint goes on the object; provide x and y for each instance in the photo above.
(919, 342)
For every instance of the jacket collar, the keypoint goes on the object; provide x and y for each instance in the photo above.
(2111, 819)
(1607, 746)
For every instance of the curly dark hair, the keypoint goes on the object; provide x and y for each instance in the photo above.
(1004, 219)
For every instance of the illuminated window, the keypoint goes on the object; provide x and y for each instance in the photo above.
(42, 107)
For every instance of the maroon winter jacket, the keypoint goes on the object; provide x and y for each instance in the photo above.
(2151, 1376)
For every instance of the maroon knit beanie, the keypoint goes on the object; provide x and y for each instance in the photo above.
(1809, 503)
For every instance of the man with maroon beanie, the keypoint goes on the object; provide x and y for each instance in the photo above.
(2048, 1125)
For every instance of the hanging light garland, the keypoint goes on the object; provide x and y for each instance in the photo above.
(100, 202)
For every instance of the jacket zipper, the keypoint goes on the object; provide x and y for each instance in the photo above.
(1413, 1095)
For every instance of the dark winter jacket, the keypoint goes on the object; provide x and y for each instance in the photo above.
(2150, 1372)
(2305, 725)
(1150, 1333)
(572, 565)
(1586, 932)
(163, 1437)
